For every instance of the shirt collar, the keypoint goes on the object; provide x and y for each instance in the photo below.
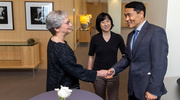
(139, 28)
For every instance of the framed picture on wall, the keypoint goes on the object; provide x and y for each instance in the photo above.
(6, 15)
(36, 13)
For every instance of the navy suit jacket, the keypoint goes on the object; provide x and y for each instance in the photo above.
(148, 64)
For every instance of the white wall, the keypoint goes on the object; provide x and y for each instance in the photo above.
(172, 28)
(114, 8)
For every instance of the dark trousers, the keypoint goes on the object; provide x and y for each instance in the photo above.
(133, 97)
(112, 86)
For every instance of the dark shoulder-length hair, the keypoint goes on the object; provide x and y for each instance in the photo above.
(102, 16)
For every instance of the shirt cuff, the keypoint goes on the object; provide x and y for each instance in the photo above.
(113, 70)
(153, 94)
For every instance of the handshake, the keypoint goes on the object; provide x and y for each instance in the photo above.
(106, 73)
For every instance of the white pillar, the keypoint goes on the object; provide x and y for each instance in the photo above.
(114, 9)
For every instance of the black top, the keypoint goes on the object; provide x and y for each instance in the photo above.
(106, 52)
(63, 69)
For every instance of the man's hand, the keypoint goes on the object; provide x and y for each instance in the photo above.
(149, 96)
(110, 73)
(102, 73)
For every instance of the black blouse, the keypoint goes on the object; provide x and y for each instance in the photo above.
(106, 52)
(63, 68)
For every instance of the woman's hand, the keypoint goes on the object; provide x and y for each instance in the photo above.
(102, 73)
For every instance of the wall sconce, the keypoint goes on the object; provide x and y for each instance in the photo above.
(84, 21)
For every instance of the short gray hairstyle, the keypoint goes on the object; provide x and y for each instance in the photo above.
(54, 20)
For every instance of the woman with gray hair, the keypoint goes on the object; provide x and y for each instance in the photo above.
(61, 61)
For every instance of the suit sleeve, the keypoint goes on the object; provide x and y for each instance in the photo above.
(159, 51)
(122, 64)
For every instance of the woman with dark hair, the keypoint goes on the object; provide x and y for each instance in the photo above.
(62, 66)
(104, 46)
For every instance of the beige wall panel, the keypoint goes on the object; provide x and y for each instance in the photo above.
(21, 34)
(80, 9)
(123, 22)
(95, 10)
(70, 37)
(84, 7)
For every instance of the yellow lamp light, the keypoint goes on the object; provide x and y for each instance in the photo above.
(84, 18)
(84, 21)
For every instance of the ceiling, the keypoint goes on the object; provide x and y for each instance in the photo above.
(123, 1)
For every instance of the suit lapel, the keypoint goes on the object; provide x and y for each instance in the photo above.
(128, 45)
(140, 37)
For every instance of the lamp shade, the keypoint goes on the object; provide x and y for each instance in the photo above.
(84, 19)
(90, 15)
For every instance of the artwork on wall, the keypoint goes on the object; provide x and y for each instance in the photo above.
(36, 13)
(6, 15)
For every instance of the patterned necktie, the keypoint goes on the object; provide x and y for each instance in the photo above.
(134, 39)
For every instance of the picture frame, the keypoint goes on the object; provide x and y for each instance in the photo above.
(6, 15)
(36, 13)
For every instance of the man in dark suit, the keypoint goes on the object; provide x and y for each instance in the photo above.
(146, 54)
